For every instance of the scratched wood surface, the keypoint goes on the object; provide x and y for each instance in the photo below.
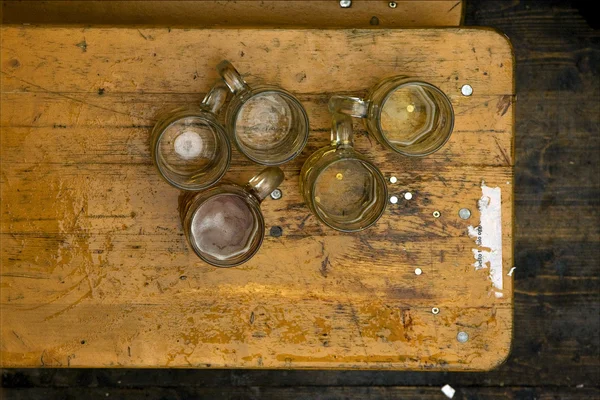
(96, 271)
(272, 13)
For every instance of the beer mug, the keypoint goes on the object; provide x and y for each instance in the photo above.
(340, 186)
(267, 124)
(408, 116)
(224, 225)
(189, 146)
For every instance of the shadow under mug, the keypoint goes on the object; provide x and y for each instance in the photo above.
(267, 124)
(340, 186)
(408, 116)
(224, 224)
(189, 145)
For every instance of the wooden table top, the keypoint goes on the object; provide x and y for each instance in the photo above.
(95, 269)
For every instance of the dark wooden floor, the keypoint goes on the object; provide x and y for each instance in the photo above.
(556, 347)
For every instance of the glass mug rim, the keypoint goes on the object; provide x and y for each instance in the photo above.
(397, 81)
(351, 155)
(225, 188)
(406, 82)
(255, 91)
(242, 93)
(206, 111)
(340, 149)
(176, 116)
(252, 194)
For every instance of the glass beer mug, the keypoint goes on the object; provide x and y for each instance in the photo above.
(408, 116)
(224, 224)
(189, 146)
(266, 123)
(340, 186)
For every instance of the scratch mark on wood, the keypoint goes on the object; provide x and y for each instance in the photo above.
(503, 152)
(301, 226)
(323, 270)
(356, 323)
(76, 219)
(454, 6)
(21, 275)
(19, 337)
(407, 322)
(503, 104)
(485, 103)
(75, 99)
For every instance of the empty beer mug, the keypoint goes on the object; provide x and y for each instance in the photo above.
(340, 186)
(267, 124)
(224, 224)
(408, 116)
(189, 146)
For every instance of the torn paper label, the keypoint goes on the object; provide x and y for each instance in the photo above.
(488, 236)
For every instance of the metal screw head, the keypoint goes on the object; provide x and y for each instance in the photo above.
(466, 90)
(345, 3)
(276, 194)
(393, 179)
(435, 310)
(407, 196)
(276, 231)
(464, 213)
(392, 4)
(462, 337)
(436, 214)
(393, 199)
(418, 271)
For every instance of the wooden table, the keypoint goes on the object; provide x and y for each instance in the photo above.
(96, 271)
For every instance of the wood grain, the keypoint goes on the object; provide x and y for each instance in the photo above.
(96, 272)
(265, 13)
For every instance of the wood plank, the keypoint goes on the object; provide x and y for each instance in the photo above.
(307, 392)
(120, 119)
(313, 13)
(123, 65)
(95, 269)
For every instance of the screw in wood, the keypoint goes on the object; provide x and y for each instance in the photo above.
(276, 231)
(393, 179)
(393, 199)
(436, 214)
(418, 271)
(435, 310)
(392, 4)
(276, 194)
(462, 337)
(407, 196)
(466, 90)
(345, 3)
(464, 213)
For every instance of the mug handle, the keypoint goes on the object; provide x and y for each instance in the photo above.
(232, 77)
(262, 184)
(354, 106)
(216, 97)
(342, 135)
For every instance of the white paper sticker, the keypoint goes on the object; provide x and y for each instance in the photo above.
(488, 236)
